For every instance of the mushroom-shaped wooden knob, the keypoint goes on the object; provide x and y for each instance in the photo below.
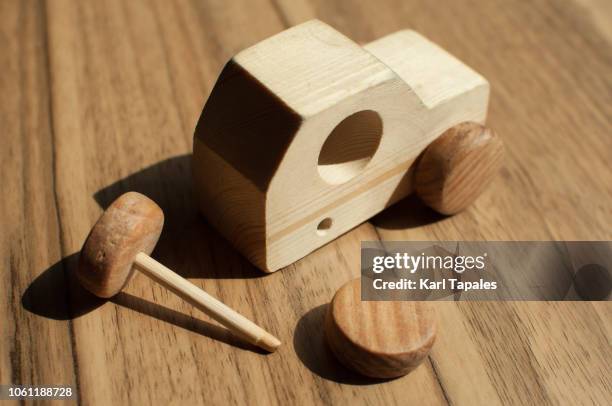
(375, 338)
(131, 225)
(457, 167)
(120, 243)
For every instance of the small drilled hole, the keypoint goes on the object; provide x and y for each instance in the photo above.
(323, 226)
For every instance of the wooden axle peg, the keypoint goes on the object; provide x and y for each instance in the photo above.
(121, 241)
(378, 339)
(457, 167)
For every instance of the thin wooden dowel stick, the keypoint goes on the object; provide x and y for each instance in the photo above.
(228, 317)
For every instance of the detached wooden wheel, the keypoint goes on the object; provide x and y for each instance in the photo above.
(458, 166)
(379, 339)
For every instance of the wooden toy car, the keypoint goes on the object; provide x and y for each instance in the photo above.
(307, 134)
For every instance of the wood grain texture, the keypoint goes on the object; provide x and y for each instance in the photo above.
(102, 97)
(130, 225)
(306, 147)
(119, 244)
(239, 325)
(457, 167)
(379, 339)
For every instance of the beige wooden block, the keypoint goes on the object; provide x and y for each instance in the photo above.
(307, 134)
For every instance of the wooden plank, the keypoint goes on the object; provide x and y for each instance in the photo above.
(526, 353)
(105, 111)
(120, 77)
(33, 349)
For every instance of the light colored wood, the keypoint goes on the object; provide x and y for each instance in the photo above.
(379, 339)
(121, 241)
(234, 321)
(457, 167)
(114, 110)
(324, 136)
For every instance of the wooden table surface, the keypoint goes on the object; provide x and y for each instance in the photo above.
(101, 97)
